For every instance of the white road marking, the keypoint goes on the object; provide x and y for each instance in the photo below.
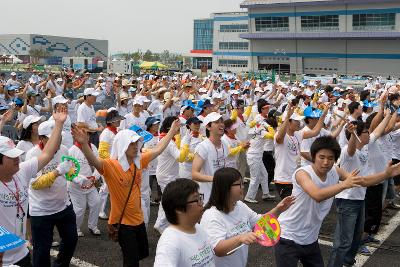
(384, 232)
(74, 261)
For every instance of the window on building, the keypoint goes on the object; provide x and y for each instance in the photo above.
(320, 23)
(198, 63)
(232, 63)
(203, 34)
(234, 28)
(233, 45)
(385, 21)
(272, 24)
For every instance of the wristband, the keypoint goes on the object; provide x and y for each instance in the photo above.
(68, 176)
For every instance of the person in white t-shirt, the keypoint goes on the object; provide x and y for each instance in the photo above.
(30, 107)
(287, 147)
(229, 222)
(136, 117)
(15, 180)
(314, 187)
(87, 114)
(82, 189)
(184, 243)
(211, 154)
(168, 167)
(29, 135)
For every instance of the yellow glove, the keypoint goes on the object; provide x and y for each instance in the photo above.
(270, 134)
(45, 180)
(184, 151)
(190, 157)
(235, 150)
(178, 140)
(234, 115)
(104, 150)
(252, 124)
(247, 111)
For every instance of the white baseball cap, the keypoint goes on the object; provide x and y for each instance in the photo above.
(90, 91)
(59, 100)
(137, 101)
(8, 149)
(45, 128)
(143, 98)
(59, 80)
(31, 80)
(31, 119)
(13, 74)
(213, 116)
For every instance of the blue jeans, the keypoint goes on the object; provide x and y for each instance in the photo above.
(42, 237)
(349, 228)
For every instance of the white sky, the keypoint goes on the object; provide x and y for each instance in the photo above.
(128, 25)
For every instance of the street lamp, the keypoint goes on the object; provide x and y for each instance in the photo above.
(283, 53)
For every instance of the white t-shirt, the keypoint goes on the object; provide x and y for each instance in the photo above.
(87, 114)
(287, 157)
(50, 200)
(107, 136)
(86, 170)
(376, 162)
(395, 144)
(213, 159)
(24, 146)
(153, 164)
(179, 249)
(8, 207)
(67, 139)
(185, 168)
(168, 165)
(36, 110)
(131, 120)
(349, 164)
(231, 160)
(306, 143)
(221, 226)
(257, 141)
(302, 221)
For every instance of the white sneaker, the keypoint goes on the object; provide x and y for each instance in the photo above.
(103, 216)
(95, 231)
(80, 234)
(268, 196)
(55, 244)
(249, 200)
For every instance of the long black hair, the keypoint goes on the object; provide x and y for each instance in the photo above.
(166, 124)
(221, 188)
(26, 134)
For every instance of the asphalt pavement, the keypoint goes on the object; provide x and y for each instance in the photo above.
(101, 251)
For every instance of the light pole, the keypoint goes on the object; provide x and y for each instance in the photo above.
(279, 52)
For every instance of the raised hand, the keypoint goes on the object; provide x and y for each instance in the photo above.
(176, 126)
(80, 135)
(60, 115)
(393, 169)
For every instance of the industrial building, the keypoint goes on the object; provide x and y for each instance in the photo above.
(57, 47)
(348, 37)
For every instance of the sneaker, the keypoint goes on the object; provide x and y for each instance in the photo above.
(392, 206)
(95, 231)
(246, 179)
(249, 200)
(103, 216)
(370, 239)
(268, 196)
(55, 244)
(154, 203)
(80, 234)
(363, 250)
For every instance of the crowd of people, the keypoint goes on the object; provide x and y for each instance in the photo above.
(187, 144)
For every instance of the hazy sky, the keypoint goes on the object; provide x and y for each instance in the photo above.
(127, 24)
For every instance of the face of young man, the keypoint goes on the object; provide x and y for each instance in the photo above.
(217, 127)
(324, 160)
(194, 207)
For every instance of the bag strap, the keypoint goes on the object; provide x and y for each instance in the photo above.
(129, 195)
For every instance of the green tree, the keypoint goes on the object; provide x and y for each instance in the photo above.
(148, 55)
(37, 54)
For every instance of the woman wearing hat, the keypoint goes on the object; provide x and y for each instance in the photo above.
(113, 120)
(82, 189)
(123, 173)
(29, 135)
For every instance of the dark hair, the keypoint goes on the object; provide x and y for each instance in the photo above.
(26, 134)
(261, 103)
(221, 188)
(369, 120)
(166, 124)
(228, 123)
(364, 94)
(328, 89)
(353, 106)
(360, 127)
(1, 158)
(175, 197)
(239, 102)
(271, 120)
(325, 142)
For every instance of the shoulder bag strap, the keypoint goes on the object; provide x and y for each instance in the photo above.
(129, 195)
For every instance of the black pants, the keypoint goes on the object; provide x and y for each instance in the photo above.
(25, 262)
(284, 190)
(134, 244)
(288, 254)
(269, 163)
(42, 237)
(153, 179)
(396, 178)
(373, 208)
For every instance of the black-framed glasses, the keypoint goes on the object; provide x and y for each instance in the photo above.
(241, 184)
(199, 200)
